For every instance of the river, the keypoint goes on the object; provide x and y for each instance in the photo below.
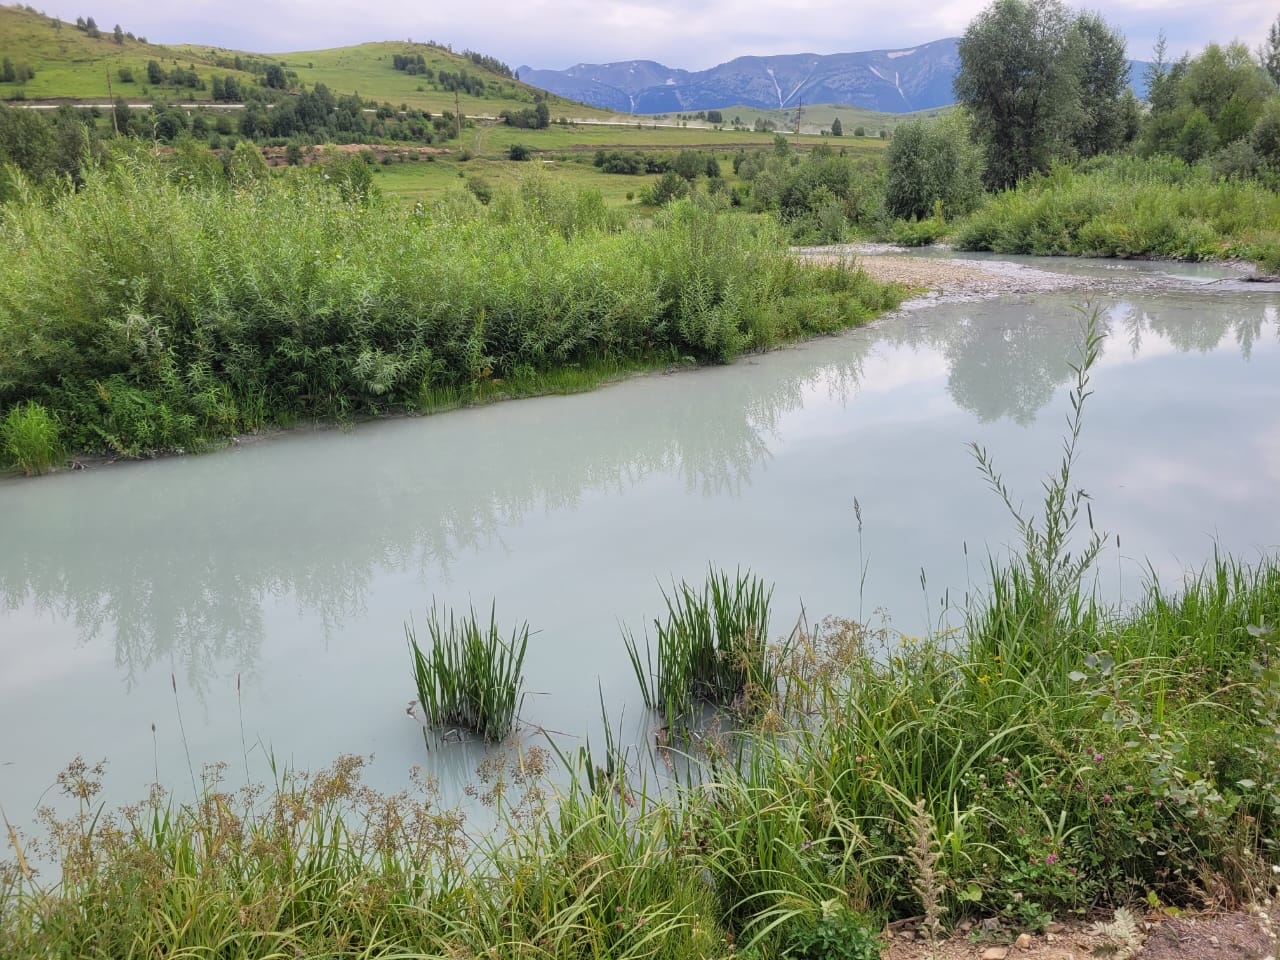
(250, 603)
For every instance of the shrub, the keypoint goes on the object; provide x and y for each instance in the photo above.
(928, 162)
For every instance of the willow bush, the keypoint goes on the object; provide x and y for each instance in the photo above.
(147, 311)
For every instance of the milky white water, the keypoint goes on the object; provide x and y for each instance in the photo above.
(270, 582)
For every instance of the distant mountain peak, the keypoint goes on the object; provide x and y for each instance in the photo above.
(892, 81)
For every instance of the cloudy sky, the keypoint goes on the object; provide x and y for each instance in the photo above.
(692, 34)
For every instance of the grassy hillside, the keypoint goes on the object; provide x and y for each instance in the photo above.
(70, 64)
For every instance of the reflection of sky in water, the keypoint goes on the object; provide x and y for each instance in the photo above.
(293, 564)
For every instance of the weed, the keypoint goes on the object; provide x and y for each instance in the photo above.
(712, 647)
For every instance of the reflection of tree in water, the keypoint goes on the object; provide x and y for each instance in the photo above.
(1007, 361)
(146, 557)
(138, 558)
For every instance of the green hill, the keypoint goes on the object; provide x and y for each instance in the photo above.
(71, 64)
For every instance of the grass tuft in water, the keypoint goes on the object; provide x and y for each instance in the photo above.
(470, 676)
(712, 648)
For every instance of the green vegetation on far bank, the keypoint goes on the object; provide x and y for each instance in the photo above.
(164, 306)
(1050, 759)
(1128, 207)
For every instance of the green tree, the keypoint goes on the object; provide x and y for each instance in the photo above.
(155, 73)
(837, 130)
(118, 35)
(931, 162)
(1103, 82)
(1269, 52)
(7, 73)
(275, 77)
(1019, 78)
(1265, 136)
(91, 28)
(688, 164)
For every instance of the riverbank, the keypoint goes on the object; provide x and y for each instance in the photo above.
(153, 310)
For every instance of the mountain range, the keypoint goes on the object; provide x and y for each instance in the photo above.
(890, 81)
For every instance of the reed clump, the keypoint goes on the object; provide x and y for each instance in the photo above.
(713, 648)
(29, 438)
(469, 676)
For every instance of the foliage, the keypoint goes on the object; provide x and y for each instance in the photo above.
(29, 438)
(215, 301)
(1018, 77)
(816, 197)
(471, 676)
(836, 935)
(1109, 113)
(1203, 103)
(1129, 207)
(932, 162)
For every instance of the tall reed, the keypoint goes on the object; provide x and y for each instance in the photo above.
(470, 675)
(711, 648)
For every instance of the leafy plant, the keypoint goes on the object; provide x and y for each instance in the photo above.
(837, 935)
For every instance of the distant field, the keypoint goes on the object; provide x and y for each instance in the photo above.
(567, 153)
(818, 117)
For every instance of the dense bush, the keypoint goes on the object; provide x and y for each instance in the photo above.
(932, 162)
(150, 312)
(1128, 207)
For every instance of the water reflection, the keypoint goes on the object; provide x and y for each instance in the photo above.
(173, 561)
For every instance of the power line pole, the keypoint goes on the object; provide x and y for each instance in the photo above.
(115, 125)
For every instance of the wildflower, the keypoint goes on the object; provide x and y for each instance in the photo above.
(1106, 798)
(1097, 758)
(1159, 803)
(1128, 788)
(1051, 859)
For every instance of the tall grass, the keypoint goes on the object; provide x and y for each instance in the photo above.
(1130, 207)
(29, 438)
(470, 675)
(713, 647)
(148, 311)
